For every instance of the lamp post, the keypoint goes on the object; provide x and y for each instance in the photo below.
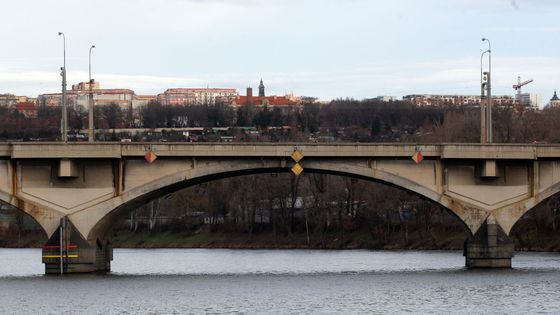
(91, 132)
(489, 94)
(482, 102)
(64, 128)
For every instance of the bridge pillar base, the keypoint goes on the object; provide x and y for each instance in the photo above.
(68, 252)
(490, 247)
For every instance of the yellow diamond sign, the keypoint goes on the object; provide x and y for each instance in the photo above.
(297, 169)
(297, 156)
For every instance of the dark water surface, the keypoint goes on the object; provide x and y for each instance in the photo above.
(199, 281)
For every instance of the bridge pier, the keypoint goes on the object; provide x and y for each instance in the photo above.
(68, 252)
(490, 247)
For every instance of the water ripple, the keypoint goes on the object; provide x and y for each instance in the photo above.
(282, 281)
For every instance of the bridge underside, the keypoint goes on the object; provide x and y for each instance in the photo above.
(82, 196)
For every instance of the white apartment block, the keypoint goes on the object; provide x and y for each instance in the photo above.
(454, 100)
(197, 96)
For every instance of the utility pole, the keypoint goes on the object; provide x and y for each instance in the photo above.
(91, 132)
(483, 104)
(64, 128)
(488, 109)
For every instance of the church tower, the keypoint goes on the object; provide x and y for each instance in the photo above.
(554, 101)
(261, 89)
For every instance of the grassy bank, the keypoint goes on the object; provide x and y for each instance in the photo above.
(350, 240)
(546, 241)
(32, 239)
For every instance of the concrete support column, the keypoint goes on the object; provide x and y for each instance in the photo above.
(68, 252)
(490, 247)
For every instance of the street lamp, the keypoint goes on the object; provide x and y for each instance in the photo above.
(481, 73)
(489, 53)
(482, 102)
(489, 94)
(64, 109)
(91, 133)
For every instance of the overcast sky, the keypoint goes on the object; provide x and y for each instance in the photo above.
(322, 48)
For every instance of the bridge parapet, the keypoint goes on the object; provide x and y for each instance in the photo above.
(38, 150)
(5, 150)
(493, 152)
(46, 150)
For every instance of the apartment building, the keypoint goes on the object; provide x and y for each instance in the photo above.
(197, 96)
(454, 100)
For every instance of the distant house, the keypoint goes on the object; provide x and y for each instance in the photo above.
(79, 95)
(270, 101)
(27, 109)
(8, 99)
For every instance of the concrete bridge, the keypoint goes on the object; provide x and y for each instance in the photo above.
(76, 190)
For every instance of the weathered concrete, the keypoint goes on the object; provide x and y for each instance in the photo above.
(490, 247)
(90, 183)
(67, 251)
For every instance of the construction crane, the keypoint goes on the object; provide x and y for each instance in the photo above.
(518, 86)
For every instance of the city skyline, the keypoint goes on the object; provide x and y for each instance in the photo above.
(353, 48)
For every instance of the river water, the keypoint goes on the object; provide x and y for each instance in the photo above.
(211, 281)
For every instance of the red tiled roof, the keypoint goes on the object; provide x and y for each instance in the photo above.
(25, 106)
(272, 100)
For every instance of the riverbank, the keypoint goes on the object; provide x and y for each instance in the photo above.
(436, 240)
(350, 240)
(32, 239)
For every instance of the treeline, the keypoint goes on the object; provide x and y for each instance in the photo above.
(323, 210)
(340, 120)
(317, 211)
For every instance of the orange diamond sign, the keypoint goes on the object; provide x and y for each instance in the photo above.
(150, 157)
(417, 157)
(297, 169)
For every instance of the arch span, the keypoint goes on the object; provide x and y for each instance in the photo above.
(47, 219)
(6, 206)
(510, 215)
(94, 223)
(534, 229)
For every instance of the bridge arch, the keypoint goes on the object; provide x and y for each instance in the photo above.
(98, 221)
(509, 216)
(516, 212)
(47, 219)
(537, 222)
(7, 208)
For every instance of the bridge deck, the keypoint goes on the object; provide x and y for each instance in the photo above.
(26, 150)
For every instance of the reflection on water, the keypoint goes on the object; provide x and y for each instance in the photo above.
(281, 281)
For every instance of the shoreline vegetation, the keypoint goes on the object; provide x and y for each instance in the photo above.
(268, 241)
(351, 241)
(331, 241)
